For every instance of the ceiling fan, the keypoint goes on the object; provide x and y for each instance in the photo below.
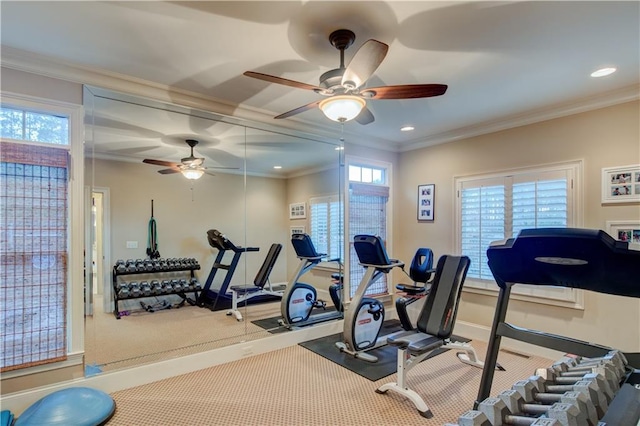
(191, 167)
(343, 86)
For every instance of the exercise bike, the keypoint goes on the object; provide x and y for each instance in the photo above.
(365, 316)
(300, 299)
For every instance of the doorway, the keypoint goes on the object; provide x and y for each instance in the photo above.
(99, 294)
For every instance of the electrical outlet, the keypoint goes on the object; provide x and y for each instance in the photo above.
(132, 244)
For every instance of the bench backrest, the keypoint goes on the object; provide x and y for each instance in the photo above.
(438, 314)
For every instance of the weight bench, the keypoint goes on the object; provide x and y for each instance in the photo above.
(242, 293)
(434, 327)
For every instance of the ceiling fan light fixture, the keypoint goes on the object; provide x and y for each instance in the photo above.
(192, 174)
(342, 108)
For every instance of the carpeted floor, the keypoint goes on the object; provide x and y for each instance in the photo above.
(145, 337)
(294, 386)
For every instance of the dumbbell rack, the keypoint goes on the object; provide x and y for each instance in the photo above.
(578, 258)
(155, 267)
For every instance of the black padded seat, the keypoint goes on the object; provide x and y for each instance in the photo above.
(434, 328)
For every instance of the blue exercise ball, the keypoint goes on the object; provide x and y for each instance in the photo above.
(69, 407)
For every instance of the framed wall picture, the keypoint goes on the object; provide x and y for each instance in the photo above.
(297, 211)
(621, 184)
(297, 230)
(426, 202)
(624, 230)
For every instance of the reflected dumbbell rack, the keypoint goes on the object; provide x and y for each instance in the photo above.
(179, 280)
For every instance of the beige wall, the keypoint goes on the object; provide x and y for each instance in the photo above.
(302, 189)
(602, 138)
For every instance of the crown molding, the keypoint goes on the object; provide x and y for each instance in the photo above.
(626, 94)
(52, 67)
(49, 66)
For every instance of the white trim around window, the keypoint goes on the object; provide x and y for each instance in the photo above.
(75, 279)
(557, 296)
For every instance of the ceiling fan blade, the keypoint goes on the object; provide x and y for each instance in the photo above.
(280, 80)
(298, 110)
(221, 167)
(160, 163)
(168, 171)
(406, 91)
(364, 63)
(365, 116)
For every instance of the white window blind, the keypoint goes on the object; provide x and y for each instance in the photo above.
(498, 206)
(326, 225)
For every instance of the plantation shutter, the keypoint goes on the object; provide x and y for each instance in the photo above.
(326, 225)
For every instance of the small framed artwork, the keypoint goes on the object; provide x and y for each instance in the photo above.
(624, 230)
(621, 184)
(297, 230)
(297, 211)
(426, 202)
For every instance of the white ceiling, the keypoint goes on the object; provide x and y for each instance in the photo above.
(506, 63)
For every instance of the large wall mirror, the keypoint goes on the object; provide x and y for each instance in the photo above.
(260, 185)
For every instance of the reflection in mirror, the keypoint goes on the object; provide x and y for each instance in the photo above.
(169, 252)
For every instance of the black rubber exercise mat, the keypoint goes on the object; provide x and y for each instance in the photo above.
(272, 325)
(386, 365)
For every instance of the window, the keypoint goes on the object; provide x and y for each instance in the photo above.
(33, 126)
(368, 199)
(326, 225)
(498, 206)
(35, 234)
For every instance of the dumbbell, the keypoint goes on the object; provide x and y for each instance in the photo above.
(478, 418)
(606, 372)
(123, 290)
(120, 266)
(196, 284)
(567, 367)
(131, 265)
(602, 389)
(145, 287)
(535, 390)
(512, 403)
(166, 286)
(615, 356)
(156, 288)
(134, 288)
(175, 284)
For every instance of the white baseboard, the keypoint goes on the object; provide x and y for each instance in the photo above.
(136, 376)
(479, 332)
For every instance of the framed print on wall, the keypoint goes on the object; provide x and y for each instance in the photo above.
(624, 230)
(297, 211)
(621, 184)
(297, 230)
(426, 202)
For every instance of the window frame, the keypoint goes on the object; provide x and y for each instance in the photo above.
(556, 296)
(75, 275)
(387, 168)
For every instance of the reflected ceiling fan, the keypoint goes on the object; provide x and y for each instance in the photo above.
(343, 87)
(191, 167)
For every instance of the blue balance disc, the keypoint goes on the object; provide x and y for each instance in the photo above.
(74, 406)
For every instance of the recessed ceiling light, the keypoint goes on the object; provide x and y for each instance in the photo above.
(603, 72)
(407, 128)
(277, 167)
